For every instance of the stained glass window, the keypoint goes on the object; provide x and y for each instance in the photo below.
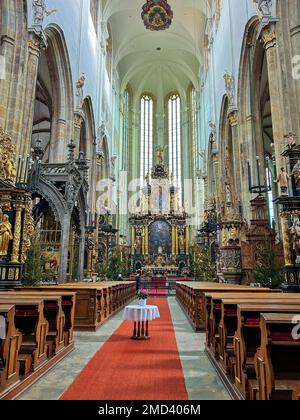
(146, 137)
(174, 115)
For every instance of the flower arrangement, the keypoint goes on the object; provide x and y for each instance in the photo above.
(143, 294)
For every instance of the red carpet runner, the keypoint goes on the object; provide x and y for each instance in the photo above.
(124, 369)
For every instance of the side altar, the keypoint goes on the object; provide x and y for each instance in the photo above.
(160, 232)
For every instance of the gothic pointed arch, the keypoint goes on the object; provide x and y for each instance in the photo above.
(54, 104)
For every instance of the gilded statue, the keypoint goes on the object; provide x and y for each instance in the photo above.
(5, 235)
(7, 156)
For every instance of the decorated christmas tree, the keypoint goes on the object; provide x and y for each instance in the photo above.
(267, 270)
(202, 266)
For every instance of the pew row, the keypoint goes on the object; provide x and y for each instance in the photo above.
(277, 359)
(234, 335)
(95, 302)
(191, 297)
(39, 321)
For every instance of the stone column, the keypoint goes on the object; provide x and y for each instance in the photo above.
(268, 36)
(28, 101)
(286, 239)
(65, 238)
(233, 121)
(15, 257)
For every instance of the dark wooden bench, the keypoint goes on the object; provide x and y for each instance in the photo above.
(10, 346)
(191, 297)
(32, 324)
(247, 338)
(277, 360)
(95, 302)
(54, 315)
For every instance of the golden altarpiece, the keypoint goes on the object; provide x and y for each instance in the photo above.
(16, 223)
(160, 233)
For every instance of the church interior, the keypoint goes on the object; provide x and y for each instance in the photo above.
(149, 200)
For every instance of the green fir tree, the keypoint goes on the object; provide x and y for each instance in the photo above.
(267, 270)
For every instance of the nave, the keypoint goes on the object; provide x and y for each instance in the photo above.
(201, 380)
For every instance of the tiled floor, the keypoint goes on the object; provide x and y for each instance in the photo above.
(201, 379)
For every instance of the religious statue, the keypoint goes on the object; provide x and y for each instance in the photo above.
(79, 86)
(138, 244)
(290, 140)
(160, 154)
(295, 235)
(9, 167)
(40, 11)
(5, 235)
(264, 6)
(283, 181)
(233, 238)
(181, 243)
(228, 195)
(160, 250)
(230, 87)
(296, 174)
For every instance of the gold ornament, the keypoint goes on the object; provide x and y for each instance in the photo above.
(5, 234)
(7, 156)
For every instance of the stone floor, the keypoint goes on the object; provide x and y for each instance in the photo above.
(201, 379)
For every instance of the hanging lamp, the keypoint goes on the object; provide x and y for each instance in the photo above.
(157, 15)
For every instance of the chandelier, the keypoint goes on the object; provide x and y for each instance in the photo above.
(157, 15)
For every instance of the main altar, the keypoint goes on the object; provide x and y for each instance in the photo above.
(160, 233)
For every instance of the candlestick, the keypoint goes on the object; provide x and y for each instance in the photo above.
(269, 173)
(18, 169)
(249, 175)
(258, 173)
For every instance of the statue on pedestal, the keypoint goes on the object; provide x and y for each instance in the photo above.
(283, 181)
(160, 154)
(296, 174)
(181, 243)
(295, 235)
(5, 235)
(228, 195)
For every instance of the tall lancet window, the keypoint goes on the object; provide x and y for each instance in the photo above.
(146, 137)
(174, 115)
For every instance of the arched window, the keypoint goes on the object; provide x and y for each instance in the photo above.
(146, 137)
(174, 129)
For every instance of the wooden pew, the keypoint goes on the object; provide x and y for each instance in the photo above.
(223, 315)
(277, 360)
(68, 302)
(10, 346)
(54, 315)
(95, 302)
(191, 297)
(296, 395)
(32, 324)
(248, 339)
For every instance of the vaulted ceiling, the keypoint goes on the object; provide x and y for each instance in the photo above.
(158, 62)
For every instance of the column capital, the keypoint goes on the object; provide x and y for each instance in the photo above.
(269, 37)
(233, 118)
